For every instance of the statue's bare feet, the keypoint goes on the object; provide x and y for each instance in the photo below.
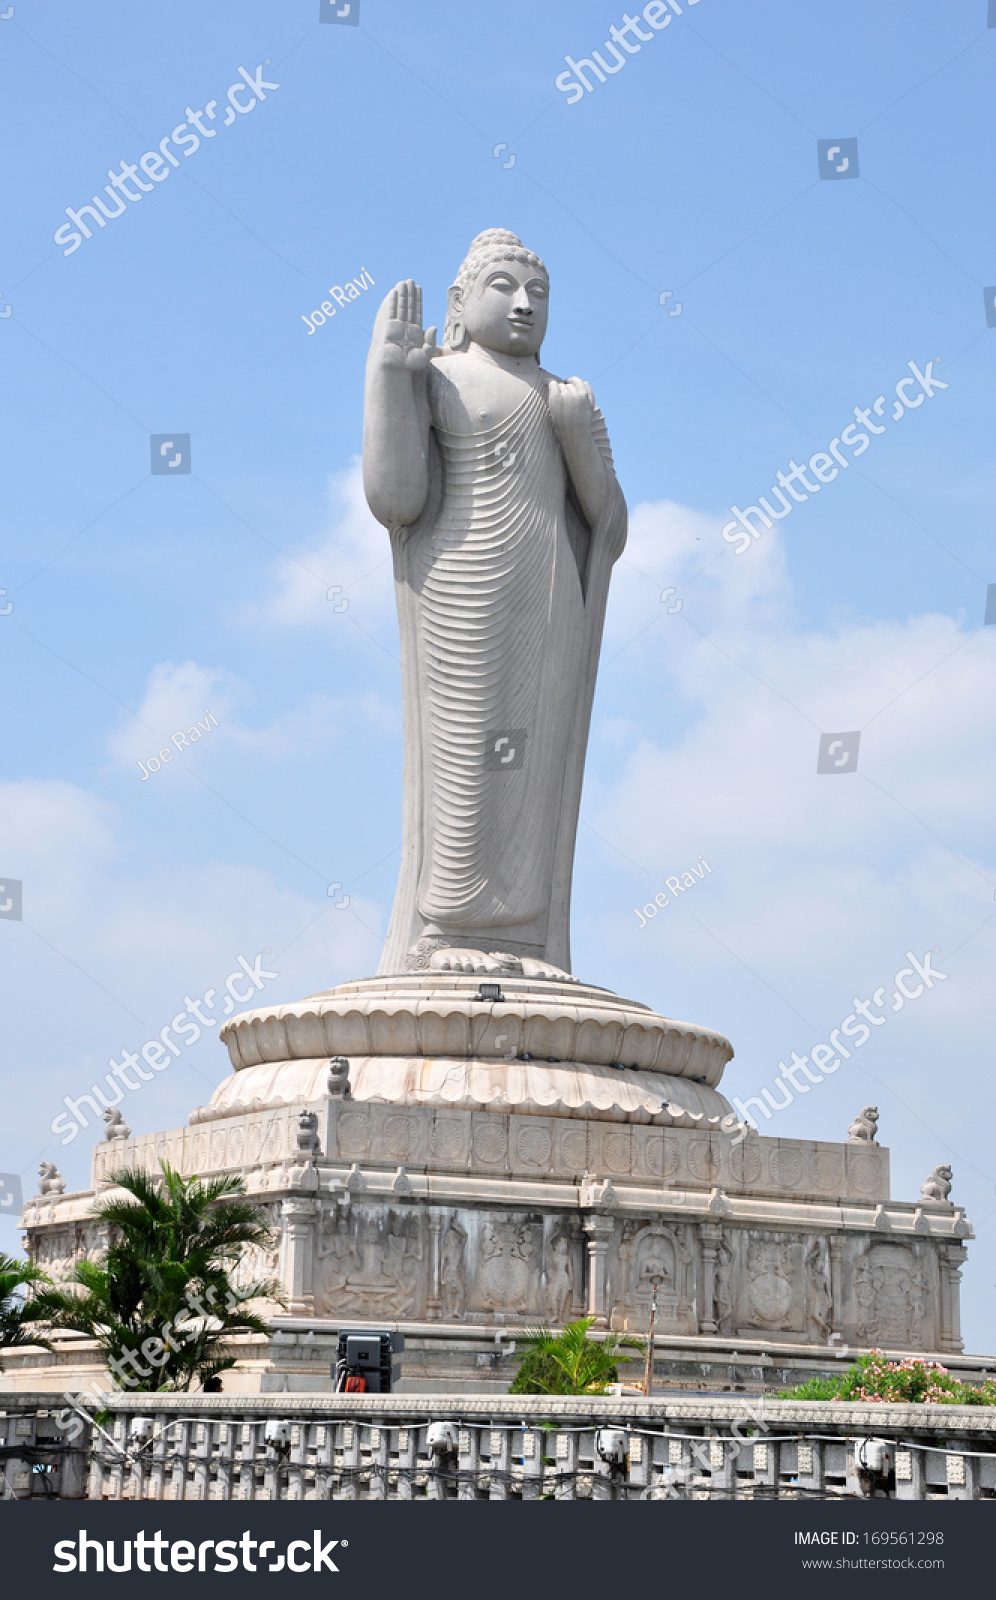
(475, 963)
(545, 969)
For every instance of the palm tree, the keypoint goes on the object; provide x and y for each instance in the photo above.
(160, 1301)
(570, 1362)
(17, 1315)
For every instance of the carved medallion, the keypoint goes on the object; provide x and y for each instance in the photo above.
(236, 1147)
(745, 1164)
(703, 1163)
(653, 1157)
(490, 1142)
(354, 1133)
(864, 1173)
(786, 1168)
(828, 1171)
(400, 1137)
(447, 1141)
(534, 1146)
(574, 1149)
(617, 1152)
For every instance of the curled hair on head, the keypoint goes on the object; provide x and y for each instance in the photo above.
(493, 245)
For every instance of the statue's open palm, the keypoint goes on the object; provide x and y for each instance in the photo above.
(398, 334)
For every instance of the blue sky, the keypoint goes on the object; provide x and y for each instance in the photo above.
(139, 603)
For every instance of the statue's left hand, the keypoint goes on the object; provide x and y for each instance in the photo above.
(572, 411)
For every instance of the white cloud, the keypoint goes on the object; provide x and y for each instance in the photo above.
(346, 581)
(177, 699)
(110, 943)
(750, 690)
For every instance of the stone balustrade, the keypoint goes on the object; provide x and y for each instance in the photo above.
(404, 1447)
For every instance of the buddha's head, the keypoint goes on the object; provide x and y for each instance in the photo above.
(500, 298)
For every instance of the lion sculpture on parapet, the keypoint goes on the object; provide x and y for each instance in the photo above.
(864, 1127)
(938, 1185)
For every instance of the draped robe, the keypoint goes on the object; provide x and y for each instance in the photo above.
(501, 587)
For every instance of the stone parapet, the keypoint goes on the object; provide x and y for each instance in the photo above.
(397, 1447)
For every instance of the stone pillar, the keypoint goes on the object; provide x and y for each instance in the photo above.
(837, 1283)
(433, 1302)
(577, 1268)
(711, 1237)
(296, 1252)
(950, 1258)
(599, 1231)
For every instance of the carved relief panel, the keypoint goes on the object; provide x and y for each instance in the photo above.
(891, 1296)
(652, 1251)
(508, 1266)
(370, 1264)
(771, 1288)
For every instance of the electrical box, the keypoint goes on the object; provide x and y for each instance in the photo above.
(368, 1354)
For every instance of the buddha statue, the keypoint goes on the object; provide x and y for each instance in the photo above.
(495, 481)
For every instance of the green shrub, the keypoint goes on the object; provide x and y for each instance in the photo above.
(569, 1362)
(912, 1381)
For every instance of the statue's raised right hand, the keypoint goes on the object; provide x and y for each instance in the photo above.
(398, 339)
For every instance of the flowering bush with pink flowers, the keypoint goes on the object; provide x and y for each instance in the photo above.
(912, 1381)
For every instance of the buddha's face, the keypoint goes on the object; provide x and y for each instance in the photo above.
(506, 310)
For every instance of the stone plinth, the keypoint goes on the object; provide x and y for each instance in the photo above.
(452, 1182)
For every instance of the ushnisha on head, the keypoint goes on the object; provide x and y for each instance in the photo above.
(500, 298)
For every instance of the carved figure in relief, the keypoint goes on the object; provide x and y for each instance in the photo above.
(451, 1270)
(50, 1179)
(864, 1294)
(334, 1256)
(818, 1297)
(559, 1281)
(864, 1127)
(496, 482)
(725, 1299)
(938, 1185)
(653, 1252)
(115, 1126)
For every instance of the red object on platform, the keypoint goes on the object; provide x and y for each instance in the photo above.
(356, 1385)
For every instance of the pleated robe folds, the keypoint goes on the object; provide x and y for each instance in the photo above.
(501, 588)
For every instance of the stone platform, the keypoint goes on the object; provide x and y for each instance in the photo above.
(430, 1039)
(455, 1165)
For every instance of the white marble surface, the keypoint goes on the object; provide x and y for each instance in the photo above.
(440, 1015)
(495, 480)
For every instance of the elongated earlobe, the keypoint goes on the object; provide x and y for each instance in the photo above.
(455, 335)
